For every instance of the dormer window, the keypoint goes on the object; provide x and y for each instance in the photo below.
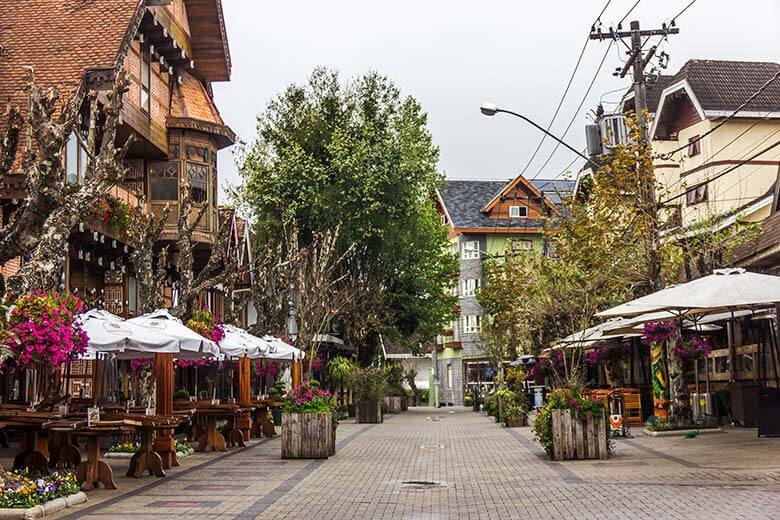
(518, 211)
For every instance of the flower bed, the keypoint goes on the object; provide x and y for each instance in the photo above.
(19, 490)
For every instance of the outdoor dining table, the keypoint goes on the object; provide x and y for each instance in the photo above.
(209, 437)
(94, 471)
(263, 425)
(33, 450)
(146, 458)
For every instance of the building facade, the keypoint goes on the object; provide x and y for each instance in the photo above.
(486, 219)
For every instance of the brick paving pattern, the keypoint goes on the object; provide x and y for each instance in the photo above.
(434, 464)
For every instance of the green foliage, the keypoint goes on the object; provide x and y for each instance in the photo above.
(181, 394)
(514, 378)
(339, 368)
(700, 423)
(367, 384)
(358, 157)
(22, 490)
(278, 389)
(309, 398)
(583, 408)
(394, 375)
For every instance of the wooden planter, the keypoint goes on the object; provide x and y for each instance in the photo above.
(515, 422)
(393, 404)
(404, 403)
(351, 410)
(573, 440)
(369, 412)
(308, 436)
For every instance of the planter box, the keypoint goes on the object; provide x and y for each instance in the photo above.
(573, 440)
(128, 456)
(308, 436)
(393, 404)
(369, 412)
(516, 422)
(47, 508)
(404, 404)
(680, 433)
(351, 410)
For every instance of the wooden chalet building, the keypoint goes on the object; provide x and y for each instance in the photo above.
(171, 52)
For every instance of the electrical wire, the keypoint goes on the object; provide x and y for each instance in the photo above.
(681, 12)
(565, 92)
(722, 173)
(577, 111)
(565, 169)
(629, 12)
(668, 155)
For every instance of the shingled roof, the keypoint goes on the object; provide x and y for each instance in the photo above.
(464, 200)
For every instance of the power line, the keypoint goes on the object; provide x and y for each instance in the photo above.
(721, 174)
(565, 169)
(565, 92)
(620, 23)
(681, 12)
(577, 111)
(763, 87)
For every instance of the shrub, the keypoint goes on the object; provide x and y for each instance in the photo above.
(181, 394)
(394, 376)
(367, 384)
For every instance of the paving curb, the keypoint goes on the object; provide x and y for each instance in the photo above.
(127, 456)
(49, 508)
(678, 433)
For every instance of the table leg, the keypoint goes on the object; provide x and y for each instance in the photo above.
(33, 453)
(146, 459)
(211, 439)
(94, 471)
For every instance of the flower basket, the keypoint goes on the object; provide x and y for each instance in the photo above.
(308, 436)
(575, 440)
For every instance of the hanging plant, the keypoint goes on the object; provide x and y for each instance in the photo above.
(112, 212)
(203, 323)
(44, 332)
(693, 348)
(140, 365)
(202, 362)
(657, 331)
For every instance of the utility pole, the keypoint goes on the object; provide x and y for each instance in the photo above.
(637, 62)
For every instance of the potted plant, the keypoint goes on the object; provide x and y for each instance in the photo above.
(277, 392)
(515, 415)
(368, 388)
(339, 368)
(308, 423)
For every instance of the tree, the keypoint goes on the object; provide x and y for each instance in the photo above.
(143, 233)
(356, 157)
(52, 207)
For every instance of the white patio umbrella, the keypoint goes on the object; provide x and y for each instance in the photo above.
(110, 333)
(239, 343)
(281, 351)
(724, 290)
(190, 343)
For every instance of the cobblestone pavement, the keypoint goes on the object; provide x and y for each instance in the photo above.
(477, 470)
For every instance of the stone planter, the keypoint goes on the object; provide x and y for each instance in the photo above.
(369, 412)
(128, 456)
(393, 404)
(48, 508)
(308, 436)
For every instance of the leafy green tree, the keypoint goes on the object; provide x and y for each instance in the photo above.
(357, 157)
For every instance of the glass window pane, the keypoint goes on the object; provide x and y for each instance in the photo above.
(71, 160)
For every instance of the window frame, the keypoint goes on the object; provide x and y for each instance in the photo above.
(694, 146)
(470, 286)
(472, 324)
(145, 100)
(518, 208)
(471, 253)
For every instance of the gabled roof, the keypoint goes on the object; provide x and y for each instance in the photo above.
(61, 40)
(464, 200)
(517, 181)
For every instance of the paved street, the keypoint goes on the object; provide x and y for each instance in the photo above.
(476, 469)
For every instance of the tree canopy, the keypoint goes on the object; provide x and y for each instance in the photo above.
(356, 156)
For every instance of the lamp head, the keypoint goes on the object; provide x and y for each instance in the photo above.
(489, 109)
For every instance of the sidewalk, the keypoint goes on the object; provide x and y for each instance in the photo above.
(454, 463)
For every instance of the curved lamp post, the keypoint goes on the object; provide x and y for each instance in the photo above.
(490, 109)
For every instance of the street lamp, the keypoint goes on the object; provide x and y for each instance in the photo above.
(490, 109)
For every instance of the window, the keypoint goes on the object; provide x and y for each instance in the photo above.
(199, 182)
(443, 219)
(471, 250)
(694, 146)
(75, 160)
(470, 287)
(146, 79)
(132, 294)
(164, 180)
(449, 376)
(472, 324)
(518, 211)
(521, 244)
(696, 195)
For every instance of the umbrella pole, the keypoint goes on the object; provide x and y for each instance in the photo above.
(732, 349)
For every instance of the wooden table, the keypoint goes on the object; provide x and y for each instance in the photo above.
(33, 450)
(211, 439)
(94, 471)
(264, 425)
(146, 458)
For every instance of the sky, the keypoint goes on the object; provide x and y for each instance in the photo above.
(452, 55)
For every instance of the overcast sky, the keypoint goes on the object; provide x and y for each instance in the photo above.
(454, 54)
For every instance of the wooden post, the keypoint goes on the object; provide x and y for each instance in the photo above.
(244, 375)
(297, 373)
(164, 444)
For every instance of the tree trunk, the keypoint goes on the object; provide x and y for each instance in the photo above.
(680, 398)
